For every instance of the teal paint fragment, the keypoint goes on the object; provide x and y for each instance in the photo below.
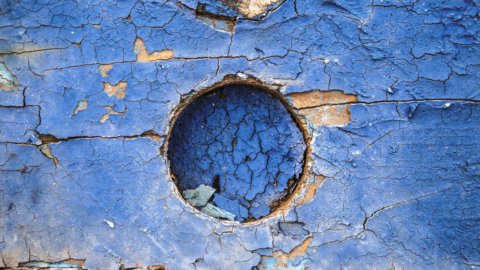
(199, 196)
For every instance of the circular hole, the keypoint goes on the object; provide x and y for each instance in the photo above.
(236, 152)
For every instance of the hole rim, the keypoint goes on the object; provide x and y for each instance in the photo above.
(288, 199)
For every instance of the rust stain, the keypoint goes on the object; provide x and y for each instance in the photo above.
(48, 138)
(152, 135)
(47, 151)
(324, 108)
(79, 262)
(330, 116)
(281, 258)
(151, 267)
(157, 267)
(318, 98)
(111, 111)
(250, 8)
(104, 69)
(81, 106)
(219, 22)
(298, 251)
(305, 194)
(310, 190)
(118, 90)
(144, 56)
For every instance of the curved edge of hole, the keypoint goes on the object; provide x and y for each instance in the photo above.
(284, 203)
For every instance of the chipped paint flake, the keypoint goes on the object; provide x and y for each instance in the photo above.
(104, 69)
(8, 82)
(144, 56)
(324, 108)
(47, 151)
(319, 98)
(81, 106)
(118, 90)
(251, 8)
(111, 111)
(295, 259)
(310, 190)
(330, 116)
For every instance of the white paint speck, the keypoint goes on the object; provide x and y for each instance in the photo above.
(109, 223)
(242, 75)
(448, 104)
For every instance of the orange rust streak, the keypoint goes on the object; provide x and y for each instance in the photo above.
(118, 90)
(144, 56)
(282, 258)
(318, 98)
(250, 8)
(310, 190)
(79, 262)
(111, 111)
(300, 250)
(104, 69)
(331, 115)
(47, 151)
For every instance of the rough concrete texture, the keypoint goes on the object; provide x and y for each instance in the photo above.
(392, 181)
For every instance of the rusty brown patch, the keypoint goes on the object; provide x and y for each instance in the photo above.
(47, 151)
(330, 115)
(144, 56)
(318, 98)
(110, 111)
(156, 267)
(48, 138)
(104, 69)
(81, 106)
(251, 8)
(282, 258)
(118, 90)
(324, 108)
(8, 87)
(309, 190)
(79, 262)
(152, 135)
(151, 267)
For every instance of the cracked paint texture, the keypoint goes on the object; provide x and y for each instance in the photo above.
(244, 143)
(84, 174)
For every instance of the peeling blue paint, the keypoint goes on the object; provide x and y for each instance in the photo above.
(401, 187)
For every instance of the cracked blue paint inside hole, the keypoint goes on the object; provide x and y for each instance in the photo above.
(236, 153)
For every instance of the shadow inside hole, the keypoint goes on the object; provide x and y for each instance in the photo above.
(236, 152)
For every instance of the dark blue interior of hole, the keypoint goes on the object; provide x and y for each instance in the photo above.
(241, 141)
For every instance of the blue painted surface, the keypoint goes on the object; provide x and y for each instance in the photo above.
(243, 142)
(402, 177)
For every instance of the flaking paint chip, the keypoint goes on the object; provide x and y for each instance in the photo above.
(144, 56)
